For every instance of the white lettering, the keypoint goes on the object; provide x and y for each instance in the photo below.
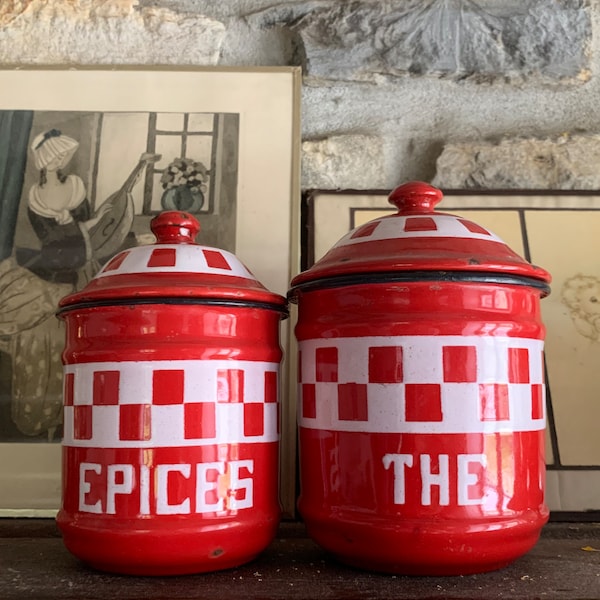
(466, 485)
(203, 486)
(238, 484)
(212, 486)
(162, 496)
(85, 487)
(113, 488)
(467, 479)
(399, 461)
(430, 479)
(144, 490)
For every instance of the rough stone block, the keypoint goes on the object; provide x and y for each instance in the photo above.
(10, 9)
(479, 39)
(342, 162)
(105, 32)
(561, 163)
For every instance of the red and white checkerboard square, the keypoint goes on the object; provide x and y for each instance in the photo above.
(352, 402)
(422, 384)
(423, 402)
(385, 364)
(162, 257)
(419, 224)
(170, 403)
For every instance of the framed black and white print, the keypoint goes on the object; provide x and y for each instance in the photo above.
(87, 158)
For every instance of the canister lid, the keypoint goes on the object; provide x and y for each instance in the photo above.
(418, 242)
(175, 269)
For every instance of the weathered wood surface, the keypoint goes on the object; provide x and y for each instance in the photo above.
(35, 565)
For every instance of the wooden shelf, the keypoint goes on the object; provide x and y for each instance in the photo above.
(35, 565)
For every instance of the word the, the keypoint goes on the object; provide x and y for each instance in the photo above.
(465, 479)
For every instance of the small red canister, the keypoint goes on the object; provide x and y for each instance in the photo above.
(171, 412)
(421, 394)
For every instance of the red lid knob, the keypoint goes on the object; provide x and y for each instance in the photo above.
(415, 196)
(174, 226)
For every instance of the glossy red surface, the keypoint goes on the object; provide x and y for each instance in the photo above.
(421, 403)
(417, 238)
(174, 226)
(405, 479)
(174, 268)
(138, 540)
(353, 514)
(171, 412)
(171, 332)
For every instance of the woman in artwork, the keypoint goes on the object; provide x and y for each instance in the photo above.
(73, 241)
(60, 214)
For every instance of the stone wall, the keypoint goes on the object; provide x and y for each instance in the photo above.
(468, 93)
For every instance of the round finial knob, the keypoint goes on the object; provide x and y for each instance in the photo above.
(415, 196)
(174, 226)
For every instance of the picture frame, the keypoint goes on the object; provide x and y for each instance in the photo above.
(558, 231)
(239, 130)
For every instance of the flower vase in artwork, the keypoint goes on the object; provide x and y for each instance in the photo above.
(184, 183)
(182, 198)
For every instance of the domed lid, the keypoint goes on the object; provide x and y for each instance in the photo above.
(175, 268)
(417, 242)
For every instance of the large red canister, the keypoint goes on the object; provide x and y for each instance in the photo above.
(171, 411)
(421, 394)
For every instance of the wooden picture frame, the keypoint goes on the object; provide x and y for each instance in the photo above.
(238, 130)
(558, 231)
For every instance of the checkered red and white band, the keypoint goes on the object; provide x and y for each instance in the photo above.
(427, 226)
(422, 384)
(175, 258)
(170, 403)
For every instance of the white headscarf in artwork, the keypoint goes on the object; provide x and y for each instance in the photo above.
(54, 146)
(51, 145)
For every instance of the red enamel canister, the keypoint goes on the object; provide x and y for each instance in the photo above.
(171, 412)
(421, 394)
